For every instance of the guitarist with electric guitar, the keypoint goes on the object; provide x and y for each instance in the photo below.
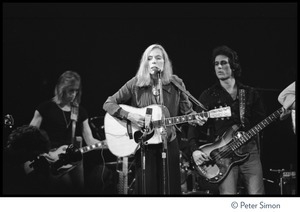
(31, 167)
(64, 119)
(231, 154)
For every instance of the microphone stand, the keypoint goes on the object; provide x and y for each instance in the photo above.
(78, 174)
(143, 164)
(163, 133)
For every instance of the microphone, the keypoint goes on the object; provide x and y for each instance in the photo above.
(155, 70)
(8, 120)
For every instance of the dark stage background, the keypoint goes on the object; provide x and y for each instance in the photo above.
(104, 42)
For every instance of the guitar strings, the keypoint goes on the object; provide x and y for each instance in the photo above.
(223, 154)
(229, 148)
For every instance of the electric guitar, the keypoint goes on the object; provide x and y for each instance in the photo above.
(54, 156)
(123, 137)
(222, 152)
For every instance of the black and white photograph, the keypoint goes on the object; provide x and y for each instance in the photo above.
(150, 100)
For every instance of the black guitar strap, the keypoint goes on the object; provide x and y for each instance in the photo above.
(242, 106)
(242, 100)
(129, 129)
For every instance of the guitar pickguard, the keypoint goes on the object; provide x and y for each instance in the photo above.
(139, 136)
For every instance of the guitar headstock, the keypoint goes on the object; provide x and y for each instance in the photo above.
(221, 112)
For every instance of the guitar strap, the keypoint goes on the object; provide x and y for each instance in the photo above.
(193, 99)
(74, 118)
(242, 106)
(129, 129)
(242, 100)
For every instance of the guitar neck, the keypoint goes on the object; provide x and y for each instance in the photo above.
(215, 113)
(90, 147)
(185, 118)
(256, 129)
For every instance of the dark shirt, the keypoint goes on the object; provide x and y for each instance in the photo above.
(57, 123)
(216, 96)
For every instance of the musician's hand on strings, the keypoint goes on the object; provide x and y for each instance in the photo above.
(50, 157)
(199, 157)
(137, 119)
(199, 120)
(240, 134)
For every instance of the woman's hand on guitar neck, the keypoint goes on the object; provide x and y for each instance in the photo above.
(199, 157)
(199, 120)
(137, 119)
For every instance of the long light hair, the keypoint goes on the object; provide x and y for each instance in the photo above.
(143, 76)
(67, 79)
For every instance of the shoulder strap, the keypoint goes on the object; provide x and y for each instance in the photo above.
(242, 106)
(193, 99)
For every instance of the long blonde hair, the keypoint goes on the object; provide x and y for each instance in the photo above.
(67, 79)
(143, 76)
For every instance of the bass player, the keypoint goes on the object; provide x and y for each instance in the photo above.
(247, 110)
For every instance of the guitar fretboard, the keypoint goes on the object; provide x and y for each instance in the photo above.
(184, 118)
(180, 119)
(256, 129)
(90, 147)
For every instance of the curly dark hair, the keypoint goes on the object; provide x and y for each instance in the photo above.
(26, 143)
(233, 58)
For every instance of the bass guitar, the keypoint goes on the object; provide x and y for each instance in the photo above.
(123, 137)
(222, 152)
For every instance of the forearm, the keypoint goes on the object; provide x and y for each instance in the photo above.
(111, 105)
(287, 96)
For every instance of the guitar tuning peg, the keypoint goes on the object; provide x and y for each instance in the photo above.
(220, 106)
(222, 118)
